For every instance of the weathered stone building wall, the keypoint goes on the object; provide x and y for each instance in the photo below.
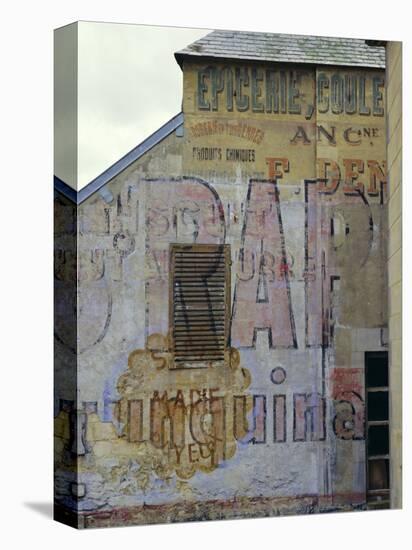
(394, 154)
(284, 165)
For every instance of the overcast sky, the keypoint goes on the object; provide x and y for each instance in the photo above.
(129, 85)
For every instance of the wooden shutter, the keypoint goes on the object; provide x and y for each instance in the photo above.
(200, 303)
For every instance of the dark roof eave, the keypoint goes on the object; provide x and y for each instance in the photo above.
(181, 57)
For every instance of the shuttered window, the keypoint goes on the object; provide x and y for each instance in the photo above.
(200, 303)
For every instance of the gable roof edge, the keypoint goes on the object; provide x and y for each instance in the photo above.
(120, 165)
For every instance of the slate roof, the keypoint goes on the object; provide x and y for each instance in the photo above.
(289, 48)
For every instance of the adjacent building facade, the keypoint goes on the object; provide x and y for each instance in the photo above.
(221, 297)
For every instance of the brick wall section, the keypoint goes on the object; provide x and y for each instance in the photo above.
(394, 159)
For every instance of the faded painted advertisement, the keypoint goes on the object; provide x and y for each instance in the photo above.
(279, 174)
